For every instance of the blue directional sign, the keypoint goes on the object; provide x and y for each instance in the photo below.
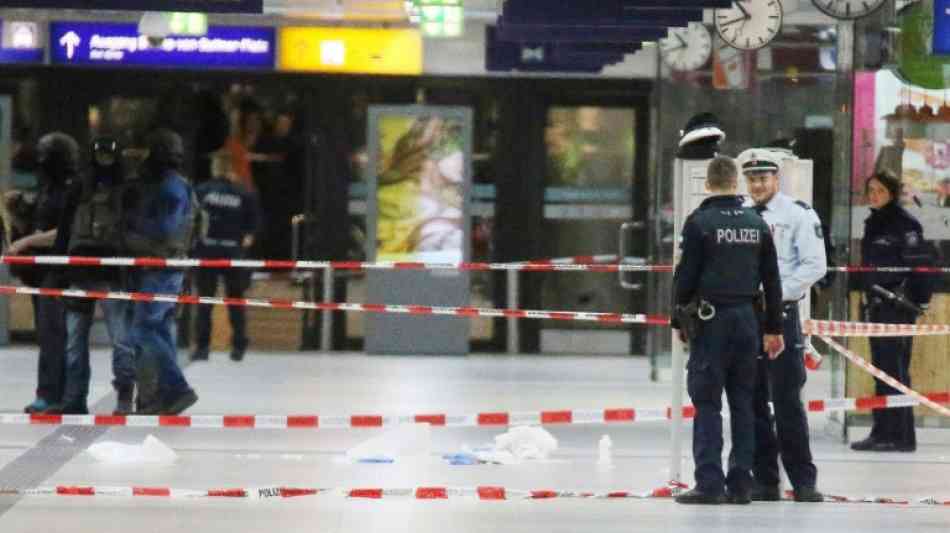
(199, 6)
(941, 38)
(99, 43)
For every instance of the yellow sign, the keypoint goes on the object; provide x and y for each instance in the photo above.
(351, 50)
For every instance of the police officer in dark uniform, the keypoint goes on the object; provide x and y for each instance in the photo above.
(232, 219)
(727, 254)
(892, 238)
(58, 165)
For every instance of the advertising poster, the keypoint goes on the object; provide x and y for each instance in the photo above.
(422, 160)
(906, 130)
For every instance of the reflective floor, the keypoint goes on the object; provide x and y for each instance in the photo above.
(356, 384)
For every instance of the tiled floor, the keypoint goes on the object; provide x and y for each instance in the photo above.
(355, 384)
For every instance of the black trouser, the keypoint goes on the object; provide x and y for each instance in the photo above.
(236, 281)
(892, 355)
(781, 381)
(723, 356)
(49, 316)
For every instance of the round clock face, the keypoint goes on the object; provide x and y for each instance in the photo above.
(687, 48)
(848, 9)
(749, 24)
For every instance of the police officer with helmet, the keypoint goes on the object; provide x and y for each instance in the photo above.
(58, 165)
(727, 255)
(91, 226)
(160, 214)
(796, 231)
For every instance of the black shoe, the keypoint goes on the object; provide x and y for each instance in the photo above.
(180, 403)
(199, 355)
(871, 444)
(237, 354)
(808, 495)
(698, 497)
(765, 494)
(738, 498)
(39, 405)
(62, 408)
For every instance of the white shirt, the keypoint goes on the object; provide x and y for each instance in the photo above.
(799, 244)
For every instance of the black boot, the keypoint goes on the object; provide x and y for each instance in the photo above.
(149, 399)
(123, 406)
(698, 497)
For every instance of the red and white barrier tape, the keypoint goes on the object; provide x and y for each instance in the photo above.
(612, 416)
(615, 318)
(479, 493)
(483, 493)
(579, 264)
(810, 327)
(591, 263)
(879, 374)
(869, 329)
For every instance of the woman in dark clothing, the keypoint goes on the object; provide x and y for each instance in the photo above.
(892, 238)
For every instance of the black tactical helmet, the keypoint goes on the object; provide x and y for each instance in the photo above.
(105, 152)
(57, 156)
(166, 150)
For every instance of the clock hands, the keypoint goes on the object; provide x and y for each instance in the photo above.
(733, 21)
(744, 11)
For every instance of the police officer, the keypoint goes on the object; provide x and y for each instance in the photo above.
(232, 220)
(58, 166)
(727, 254)
(796, 231)
(892, 238)
(160, 215)
(91, 226)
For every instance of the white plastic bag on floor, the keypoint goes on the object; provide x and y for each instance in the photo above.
(519, 444)
(403, 442)
(152, 451)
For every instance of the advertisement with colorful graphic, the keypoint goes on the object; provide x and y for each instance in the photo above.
(422, 158)
(104, 43)
(903, 129)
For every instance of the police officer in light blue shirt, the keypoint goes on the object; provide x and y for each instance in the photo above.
(796, 230)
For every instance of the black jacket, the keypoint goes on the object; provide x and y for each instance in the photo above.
(727, 254)
(894, 238)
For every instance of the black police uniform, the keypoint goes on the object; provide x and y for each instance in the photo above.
(727, 253)
(232, 214)
(893, 237)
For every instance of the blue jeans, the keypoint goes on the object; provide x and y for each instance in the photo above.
(152, 331)
(78, 324)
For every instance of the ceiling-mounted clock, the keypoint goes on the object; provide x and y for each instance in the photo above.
(749, 24)
(687, 48)
(848, 9)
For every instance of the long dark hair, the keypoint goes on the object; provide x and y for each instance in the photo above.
(890, 182)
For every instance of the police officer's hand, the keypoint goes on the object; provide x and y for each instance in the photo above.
(774, 345)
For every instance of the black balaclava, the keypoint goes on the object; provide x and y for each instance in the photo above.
(57, 157)
(166, 151)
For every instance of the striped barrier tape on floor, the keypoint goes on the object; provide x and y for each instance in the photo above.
(485, 419)
(576, 264)
(478, 493)
(879, 374)
(592, 263)
(614, 318)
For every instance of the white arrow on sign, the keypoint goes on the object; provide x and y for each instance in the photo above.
(70, 41)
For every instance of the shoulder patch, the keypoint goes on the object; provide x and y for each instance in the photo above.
(803, 205)
(912, 238)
